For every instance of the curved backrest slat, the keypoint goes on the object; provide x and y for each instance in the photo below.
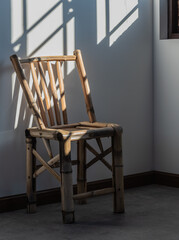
(62, 92)
(39, 96)
(46, 94)
(85, 86)
(54, 93)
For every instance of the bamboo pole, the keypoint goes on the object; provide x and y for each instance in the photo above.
(39, 96)
(94, 124)
(71, 125)
(30, 180)
(98, 157)
(35, 153)
(46, 94)
(100, 144)
(118, 180)
(93, 193)
(50, 163)
(62, 92)
(85, 86)
(57, 164)
(48, 147)
(54, 93)
(91, 149)
(66, 181)
(81, 169)
(49, 58)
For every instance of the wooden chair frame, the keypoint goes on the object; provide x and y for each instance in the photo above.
(65, 133)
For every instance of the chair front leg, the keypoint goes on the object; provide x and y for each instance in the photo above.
(30, 179)
(81, 169)
(67, 202)
(118, 180)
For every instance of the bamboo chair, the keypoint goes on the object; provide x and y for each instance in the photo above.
(64, 134)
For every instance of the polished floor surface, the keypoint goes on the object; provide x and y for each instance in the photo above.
(152, 212)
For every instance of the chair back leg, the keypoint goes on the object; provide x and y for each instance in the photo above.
(30, 179)
(118, 182)
(81, 170)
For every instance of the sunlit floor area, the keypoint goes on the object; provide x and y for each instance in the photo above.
(152, 212)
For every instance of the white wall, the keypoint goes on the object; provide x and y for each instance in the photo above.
(117, 49)
(166, 97)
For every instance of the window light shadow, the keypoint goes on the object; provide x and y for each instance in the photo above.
(114, 17)
(35, 31)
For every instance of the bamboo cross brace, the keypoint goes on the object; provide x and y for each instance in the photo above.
(93, 193)
(99, 157)
(91, 149)
(100, 144)
(50, 163)
(46, 165)
(47, 147)
(55, 165)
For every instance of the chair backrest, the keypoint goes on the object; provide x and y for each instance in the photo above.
(42, 109)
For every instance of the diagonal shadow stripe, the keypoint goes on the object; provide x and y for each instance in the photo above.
(44, 16)
(124, 19)
(38, 21)
(46, 40)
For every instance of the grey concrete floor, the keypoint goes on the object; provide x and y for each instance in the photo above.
(152, 212)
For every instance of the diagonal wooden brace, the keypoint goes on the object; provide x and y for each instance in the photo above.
(99, 157)
(50, 163)
(38, 157)
(91, 149)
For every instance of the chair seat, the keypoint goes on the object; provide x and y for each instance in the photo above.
(76, 131)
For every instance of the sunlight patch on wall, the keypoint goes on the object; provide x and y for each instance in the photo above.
(101, 19)
(122, 14)
(70, 29)
(18, 107)
(16, 21)
(42, 29)
(114, 17)
(13, 84)
(31, 121)
(47, 35)
(124, 26)
(35, 13)
(118, 10)
(24, 116)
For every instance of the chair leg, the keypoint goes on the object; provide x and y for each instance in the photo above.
(118, 180)
(67, 202)
(30, 180)
(81, 170)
